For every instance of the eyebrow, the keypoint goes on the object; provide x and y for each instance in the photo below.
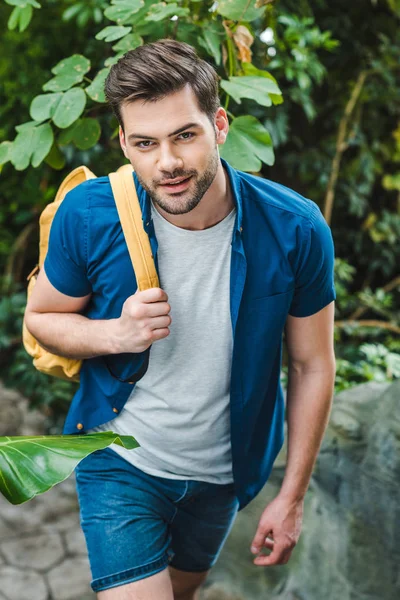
(134, 136)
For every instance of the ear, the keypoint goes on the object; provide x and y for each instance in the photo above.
(122, 141)
(221, 125)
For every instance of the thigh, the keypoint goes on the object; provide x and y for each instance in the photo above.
(201, 526)
(155, 587)
(124, 519)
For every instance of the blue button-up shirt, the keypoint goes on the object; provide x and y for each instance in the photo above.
(281, 263)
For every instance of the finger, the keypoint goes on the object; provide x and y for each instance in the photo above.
(159, 322)
(278, 556)
(156, 309)
(259, 539)
(160, 334)
(152, 295)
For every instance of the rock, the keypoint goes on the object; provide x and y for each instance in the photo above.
(24, 584)
(75, 541)
(71, 580)
(34, 551)
(16, 417)
(350, 542)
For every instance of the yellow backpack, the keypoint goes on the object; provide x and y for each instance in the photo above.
(130, 215)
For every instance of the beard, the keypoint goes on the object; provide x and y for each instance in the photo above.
(183, 202)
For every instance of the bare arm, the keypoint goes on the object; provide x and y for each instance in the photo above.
(53, 319)
(309, 400)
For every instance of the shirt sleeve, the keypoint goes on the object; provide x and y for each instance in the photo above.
(314, 287)
(66, 260)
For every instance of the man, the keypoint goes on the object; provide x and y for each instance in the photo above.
(241, 260)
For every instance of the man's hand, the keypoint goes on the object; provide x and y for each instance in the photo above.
(278, 530)
(144, 319)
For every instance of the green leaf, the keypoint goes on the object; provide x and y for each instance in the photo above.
(44, 106)
(42, 143)
(25, 126)
(23, 3)
(112, 33)
(70, 108)
(161, 11)
(72, 11)
(255, 88)
(69, 72)
(247, 144)
(123, 10)
(5, 152)
(22, 148)
(96, 89)
(67, 135)
(250, 69)
(239, 10)
(129, 42)
(25, 17)
(14, 18)
(86, 133)
(113, 59)
(55, 158)
(211, 40)
(31, 465)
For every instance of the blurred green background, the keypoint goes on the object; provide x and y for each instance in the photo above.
(325, 123)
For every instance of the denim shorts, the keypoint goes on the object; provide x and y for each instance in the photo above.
(137, 524)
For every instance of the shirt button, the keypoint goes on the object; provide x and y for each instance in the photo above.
(79, 426)
(241, 229)
(115, 410)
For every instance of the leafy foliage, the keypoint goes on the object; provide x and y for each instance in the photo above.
(313, 104)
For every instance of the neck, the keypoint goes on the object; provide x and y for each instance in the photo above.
(215, 205)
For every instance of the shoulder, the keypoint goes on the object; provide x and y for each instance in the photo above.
(275, 197)
(90, 194)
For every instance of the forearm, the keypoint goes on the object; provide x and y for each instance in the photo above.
(72, 335)
(309, 401)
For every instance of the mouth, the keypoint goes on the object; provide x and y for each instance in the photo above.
(179, 184)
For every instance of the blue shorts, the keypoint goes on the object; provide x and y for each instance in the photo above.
(136, 524)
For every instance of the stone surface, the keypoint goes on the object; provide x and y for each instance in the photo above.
(75, 542)
(15, 416)
(39, 552)
(349, 548)
(71, 580)
(22, 584)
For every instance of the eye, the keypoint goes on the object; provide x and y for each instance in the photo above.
(143, 144)
(188, 135)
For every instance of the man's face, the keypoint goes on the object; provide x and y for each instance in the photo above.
(173, 147)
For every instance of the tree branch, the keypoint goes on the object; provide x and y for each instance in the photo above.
(369, 323)
(341, 145)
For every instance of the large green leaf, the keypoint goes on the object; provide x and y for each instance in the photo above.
(86, 133)
(70, 108)
(55, 158)
(247, 144)
(161, 11)
(31, 465)
(68, 72)
(96, 89)
(43, 107)
(239, 10)
(42, 143)
(123, 10)
(129, 42)
(255, 88)
(113, 33)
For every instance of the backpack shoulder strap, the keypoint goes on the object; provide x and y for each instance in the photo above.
(137, 240)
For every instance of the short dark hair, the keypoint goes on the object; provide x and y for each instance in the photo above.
(155, 70)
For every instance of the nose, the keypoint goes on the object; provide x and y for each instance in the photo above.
(168, 160)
